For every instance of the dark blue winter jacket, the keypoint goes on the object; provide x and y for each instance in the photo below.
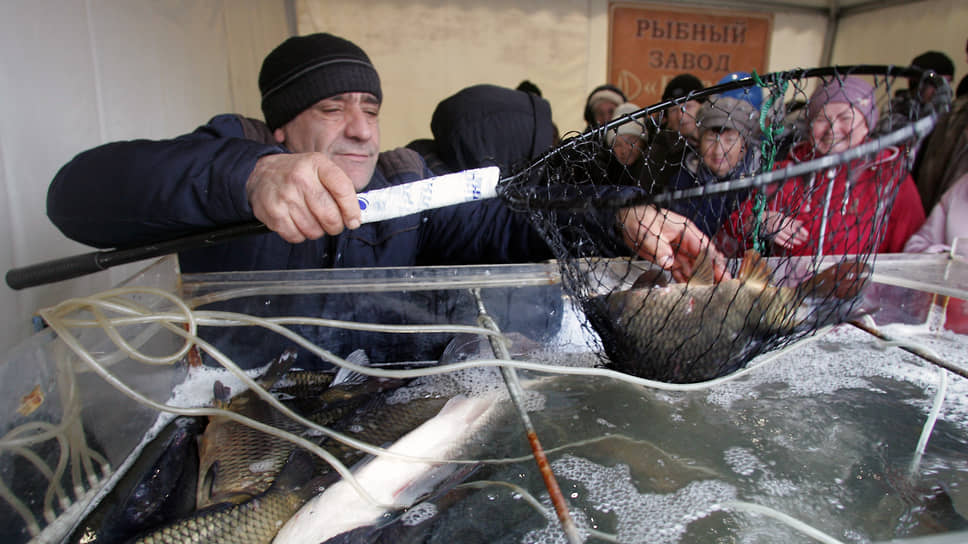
(709, 212)
(126, 194)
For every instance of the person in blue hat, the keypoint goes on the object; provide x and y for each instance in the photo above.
(750, 93)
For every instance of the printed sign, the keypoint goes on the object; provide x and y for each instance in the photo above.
(651, 44)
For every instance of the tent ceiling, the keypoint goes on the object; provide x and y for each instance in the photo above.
(835, 8)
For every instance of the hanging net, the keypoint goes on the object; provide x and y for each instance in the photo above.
(794, 178)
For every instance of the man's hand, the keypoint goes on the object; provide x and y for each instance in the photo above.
(669, 240)
(302, 196)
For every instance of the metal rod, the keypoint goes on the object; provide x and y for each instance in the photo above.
(924, 354)
(516, 393)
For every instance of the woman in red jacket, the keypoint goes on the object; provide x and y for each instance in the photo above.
(845, 209)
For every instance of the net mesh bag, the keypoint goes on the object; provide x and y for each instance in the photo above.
(792, 176)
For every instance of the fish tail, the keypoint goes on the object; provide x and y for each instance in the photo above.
(843, 280)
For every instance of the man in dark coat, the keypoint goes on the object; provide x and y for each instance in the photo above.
(487, 125)
(299, 174)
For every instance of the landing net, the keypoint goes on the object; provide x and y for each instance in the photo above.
(793, 176)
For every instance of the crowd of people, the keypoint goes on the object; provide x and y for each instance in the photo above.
(707, 138)
(299, 171)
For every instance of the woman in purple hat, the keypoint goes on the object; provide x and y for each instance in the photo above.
(837, 210)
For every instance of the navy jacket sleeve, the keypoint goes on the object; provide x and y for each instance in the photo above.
(131, 192)
(480, 232)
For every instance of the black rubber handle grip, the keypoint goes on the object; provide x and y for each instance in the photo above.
(88, 263)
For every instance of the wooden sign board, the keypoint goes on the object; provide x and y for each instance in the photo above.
(651, 44)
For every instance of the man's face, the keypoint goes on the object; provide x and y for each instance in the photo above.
(837, 127)
(345, 127)
(603, 111)
(627, 148)
(682, 118)
(721, 150)
(927, 91)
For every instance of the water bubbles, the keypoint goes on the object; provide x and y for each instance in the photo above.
(742, 461)
(419, 513)
(655, 518)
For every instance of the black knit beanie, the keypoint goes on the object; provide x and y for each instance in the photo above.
(680, 86)
(306, 69)
(934, 61)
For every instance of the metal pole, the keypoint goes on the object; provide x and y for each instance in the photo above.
(514, 389)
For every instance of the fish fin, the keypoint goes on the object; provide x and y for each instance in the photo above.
(753, 269)
(346, 376)
(652, 277)
(203, 494)
(221, 394)
(278, 368)
(465, 347)
(705, 272)
(843, 280)
(296, 472)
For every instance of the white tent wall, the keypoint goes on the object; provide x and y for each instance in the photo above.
(78, 73)
(427, 50)
(895, 35)
(75, 74)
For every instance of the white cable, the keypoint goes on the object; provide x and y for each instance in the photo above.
(929, 423)
(793, 522)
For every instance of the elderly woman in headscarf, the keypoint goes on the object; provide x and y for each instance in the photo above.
(843, 209)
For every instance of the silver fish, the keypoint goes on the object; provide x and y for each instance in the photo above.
(391, 480)
(699, 330)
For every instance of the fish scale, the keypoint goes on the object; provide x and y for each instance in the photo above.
(255, 521)
(254, 458)
(700, 330)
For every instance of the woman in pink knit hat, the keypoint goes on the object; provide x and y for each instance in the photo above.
(837, 210)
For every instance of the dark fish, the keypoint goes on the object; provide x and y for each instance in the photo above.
(303, 384)
(699, 330)
(158, 487)
(255, 521)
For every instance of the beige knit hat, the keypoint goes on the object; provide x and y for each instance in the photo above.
(727, 112)
(635, 126)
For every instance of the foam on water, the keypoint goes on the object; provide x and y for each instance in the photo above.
(259, 467)
(419, 513)
(654, 518)
(742, 461)
(846, 358)
(196, 389)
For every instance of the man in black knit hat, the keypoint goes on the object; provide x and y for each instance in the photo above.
(299, 172)
(678, 137)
